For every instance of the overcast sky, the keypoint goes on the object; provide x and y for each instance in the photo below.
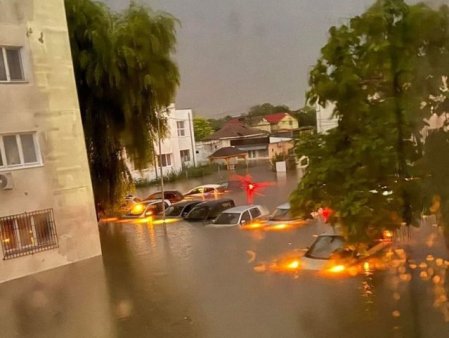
(233, 54)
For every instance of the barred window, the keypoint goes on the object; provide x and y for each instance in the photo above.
(10, 64)
(27, 233)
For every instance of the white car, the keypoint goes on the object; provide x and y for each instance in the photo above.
(282, 214)
(329, 252)
(206, 191)
(239, 216)
(147, 209)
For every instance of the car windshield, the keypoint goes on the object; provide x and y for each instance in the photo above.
(198, 213)
(227, 218)
(174, 210)
(325, 246)
(281, 215)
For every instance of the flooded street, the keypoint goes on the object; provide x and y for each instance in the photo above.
(186, 280)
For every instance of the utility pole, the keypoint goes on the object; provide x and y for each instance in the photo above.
(160, 166)
(192, 141)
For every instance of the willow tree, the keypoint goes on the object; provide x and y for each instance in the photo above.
(125, 75)
(377, 70)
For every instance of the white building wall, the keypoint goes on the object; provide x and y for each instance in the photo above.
(46, 104)
(324, 119)
(206, 148)
(180, 137)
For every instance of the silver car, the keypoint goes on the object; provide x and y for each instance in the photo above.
(241, 215)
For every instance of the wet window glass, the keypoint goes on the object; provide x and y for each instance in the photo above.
(14, 64)
(2, 67)
(198, 213)
(29, 151)
(281, 215)
(255, 212)
(325, 246)
(11, 150)
(174, 210)
(228, 218)
(246, 217)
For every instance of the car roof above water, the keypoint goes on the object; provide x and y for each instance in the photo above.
(284, 206)
(241, 208)
(214, 202)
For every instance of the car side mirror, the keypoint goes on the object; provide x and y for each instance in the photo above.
(242, 222)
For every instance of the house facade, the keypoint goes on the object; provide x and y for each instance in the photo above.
(251, 140)
(281, 122)
(47, 213)
(177, 148)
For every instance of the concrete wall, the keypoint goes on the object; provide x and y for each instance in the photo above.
(173, 144)
(46, 103)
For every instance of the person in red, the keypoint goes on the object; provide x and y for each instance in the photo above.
(326, 213)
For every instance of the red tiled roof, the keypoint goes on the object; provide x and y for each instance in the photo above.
(275, 118)
(234, 120)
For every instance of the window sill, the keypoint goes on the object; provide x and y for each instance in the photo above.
(21, 167)
(15, 82)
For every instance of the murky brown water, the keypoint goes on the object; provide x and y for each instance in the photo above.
(186, 280)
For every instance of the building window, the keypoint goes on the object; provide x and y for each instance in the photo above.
(181, 128)
(10, 64)
(28, 233)
(19, 150)
(185, 155)
(252, 153)
(165, 160)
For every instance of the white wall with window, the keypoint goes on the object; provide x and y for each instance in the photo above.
(42, 149)
(11, 68)
(19, 151)
(178, 148)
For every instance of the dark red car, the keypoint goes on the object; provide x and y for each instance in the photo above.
(172, 195)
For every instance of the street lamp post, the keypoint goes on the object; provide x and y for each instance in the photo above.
(160, 166)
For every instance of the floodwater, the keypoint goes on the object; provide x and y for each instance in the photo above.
(184, 280)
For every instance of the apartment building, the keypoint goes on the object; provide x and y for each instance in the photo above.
(47, 214)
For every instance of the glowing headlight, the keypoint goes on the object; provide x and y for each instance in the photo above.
(337, 268)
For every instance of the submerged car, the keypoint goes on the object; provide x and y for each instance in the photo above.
(209, 210)
(206, 191)
(172, 195)
(331, 253)
(241, 215)
(282, 215)
(128, 202)
(180, 209)
(147, 209)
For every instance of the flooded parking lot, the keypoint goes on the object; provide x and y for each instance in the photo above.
(187, 280)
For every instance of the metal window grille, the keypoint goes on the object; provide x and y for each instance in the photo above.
(28, 233)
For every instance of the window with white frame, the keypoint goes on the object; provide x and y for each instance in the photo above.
(19, 150)
(11, 64)
(165, 160)
(181, 128)
(185, 155)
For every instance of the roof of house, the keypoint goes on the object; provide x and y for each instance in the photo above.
(227, 152)
(275, 118)
(235, 130)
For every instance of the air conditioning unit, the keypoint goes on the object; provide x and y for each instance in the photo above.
(6, 182)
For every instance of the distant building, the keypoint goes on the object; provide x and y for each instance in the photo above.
(47, 213)
(178, 148)
(251, 140)
(274, 123)
(324, 119)
(281, 122)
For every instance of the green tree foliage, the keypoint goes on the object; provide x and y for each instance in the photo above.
(306, 116)
(377, 70)
(124, 75)
(266, 109)
(202, 128)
